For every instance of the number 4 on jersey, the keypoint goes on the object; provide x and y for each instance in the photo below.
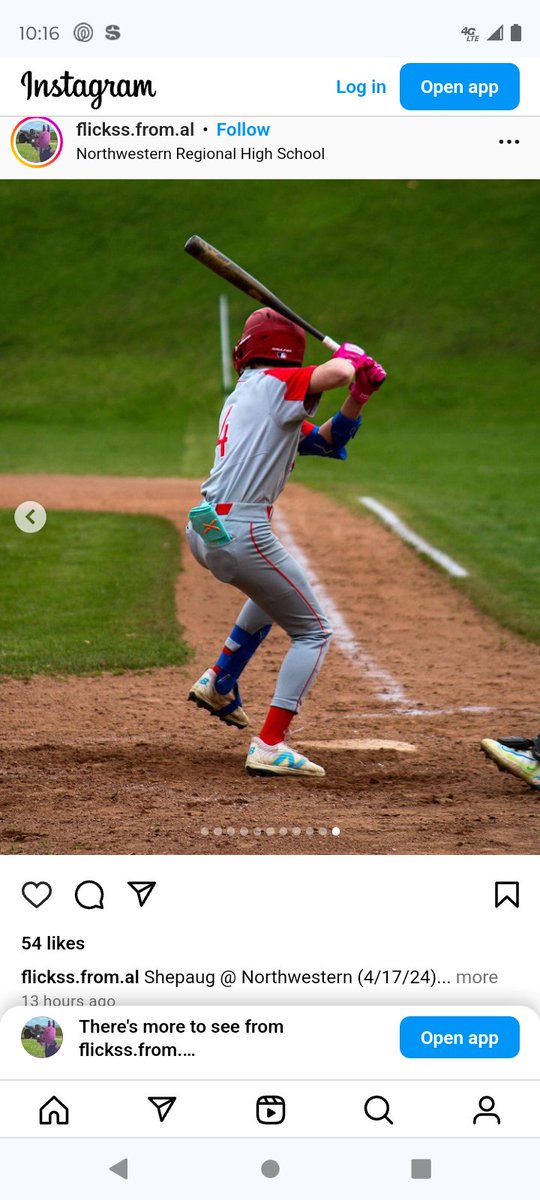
(224, 433)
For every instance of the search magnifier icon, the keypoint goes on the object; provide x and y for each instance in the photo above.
(377, 1108)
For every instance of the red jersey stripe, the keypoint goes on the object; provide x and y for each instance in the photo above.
(297, 380)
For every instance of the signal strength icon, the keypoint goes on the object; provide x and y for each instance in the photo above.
(498, 36)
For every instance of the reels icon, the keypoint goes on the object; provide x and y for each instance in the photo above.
(83, 32)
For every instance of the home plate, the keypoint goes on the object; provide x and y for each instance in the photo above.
(361, 744)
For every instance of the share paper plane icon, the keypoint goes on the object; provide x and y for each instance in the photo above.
(163, 1105)
(142, 890)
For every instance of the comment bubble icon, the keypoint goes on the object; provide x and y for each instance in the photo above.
(89, 894)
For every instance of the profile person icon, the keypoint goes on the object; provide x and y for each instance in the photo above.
(486, 1105)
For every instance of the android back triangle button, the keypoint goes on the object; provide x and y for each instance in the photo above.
(120, 1169)
(163, 1104)
(143, 889)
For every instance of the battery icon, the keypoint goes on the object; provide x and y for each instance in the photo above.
(515, 33)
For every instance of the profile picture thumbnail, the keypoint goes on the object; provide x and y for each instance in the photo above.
(37, 141)
(42, 1037)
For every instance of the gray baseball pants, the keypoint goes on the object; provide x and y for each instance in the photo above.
(278, 591)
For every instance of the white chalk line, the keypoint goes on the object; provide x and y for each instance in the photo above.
(389, 689)
(408, 535)
(411, 711)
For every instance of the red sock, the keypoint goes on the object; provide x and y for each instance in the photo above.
(276, 725)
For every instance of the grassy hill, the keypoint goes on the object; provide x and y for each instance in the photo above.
(110, 351)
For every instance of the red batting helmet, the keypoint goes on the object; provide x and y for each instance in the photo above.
(270, 337)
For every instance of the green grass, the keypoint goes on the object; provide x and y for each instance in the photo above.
(90, 592)
(28, 152)
(110, 355)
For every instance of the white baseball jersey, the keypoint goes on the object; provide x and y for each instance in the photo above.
(259, 431)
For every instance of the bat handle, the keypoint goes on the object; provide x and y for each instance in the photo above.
(332, 345)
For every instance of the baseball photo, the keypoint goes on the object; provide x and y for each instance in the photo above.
(269, 518)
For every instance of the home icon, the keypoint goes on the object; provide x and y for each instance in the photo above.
(53, 1112)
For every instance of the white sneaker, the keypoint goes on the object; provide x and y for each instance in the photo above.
(279, 760)
(519, 762)
(228, 707)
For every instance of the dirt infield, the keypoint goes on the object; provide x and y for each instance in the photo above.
(122, 764)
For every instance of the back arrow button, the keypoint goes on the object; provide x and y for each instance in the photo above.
(120, 1168)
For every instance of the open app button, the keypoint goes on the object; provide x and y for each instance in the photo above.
(459, 1037)
(476, 87)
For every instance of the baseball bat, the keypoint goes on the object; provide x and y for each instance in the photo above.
(229, 270)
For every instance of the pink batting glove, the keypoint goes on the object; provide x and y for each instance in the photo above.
(368, 379)
(353, 354)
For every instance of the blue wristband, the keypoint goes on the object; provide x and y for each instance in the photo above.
(343, 429)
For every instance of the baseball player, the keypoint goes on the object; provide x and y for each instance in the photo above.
(263, 425)
(519, 755)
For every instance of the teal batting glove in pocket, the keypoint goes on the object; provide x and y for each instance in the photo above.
(208, 525)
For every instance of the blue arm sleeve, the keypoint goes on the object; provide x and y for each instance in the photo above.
(343, 429)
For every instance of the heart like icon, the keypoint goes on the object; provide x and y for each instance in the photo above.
(37, 893)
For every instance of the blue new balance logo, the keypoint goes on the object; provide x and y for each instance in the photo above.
(289, 758)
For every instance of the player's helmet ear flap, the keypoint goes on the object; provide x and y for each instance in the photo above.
(271, 338)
